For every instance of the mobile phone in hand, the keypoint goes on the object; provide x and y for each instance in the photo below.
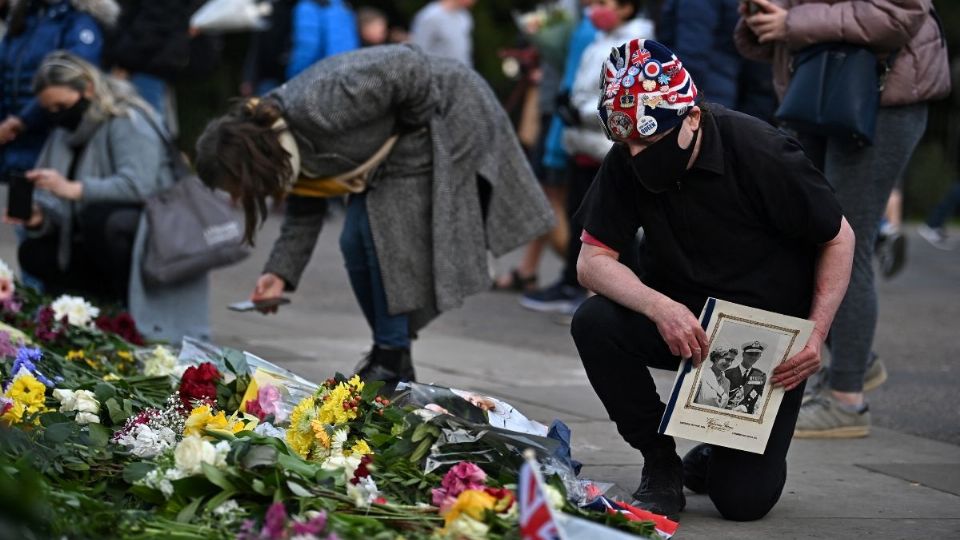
(752, 7)
(20, 198)
(250, 305)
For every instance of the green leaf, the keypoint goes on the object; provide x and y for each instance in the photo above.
(217, 500)
(370, 390)
(49, 419)
(217, 477)
(149, 495)
(420, 432)
(99, 435)
(117, 414)
(259, 487)
(189, 510)
(236, 361)
(104, 391)
(296, 465)
(57, 433)
(421, 451)
(193, 486)
(298, 490)
(136, 471)
(260, 456)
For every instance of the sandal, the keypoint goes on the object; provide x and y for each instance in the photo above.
(517, 283)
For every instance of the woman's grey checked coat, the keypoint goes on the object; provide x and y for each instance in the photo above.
(424, 203)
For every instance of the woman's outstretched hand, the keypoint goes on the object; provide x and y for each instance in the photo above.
(269, 286)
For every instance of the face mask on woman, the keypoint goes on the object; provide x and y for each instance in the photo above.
(70, 117)
(659, 166)
(604, 18)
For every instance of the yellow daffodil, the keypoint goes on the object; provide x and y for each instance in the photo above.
(197, 421)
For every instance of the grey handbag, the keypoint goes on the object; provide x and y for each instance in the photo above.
(192, 229)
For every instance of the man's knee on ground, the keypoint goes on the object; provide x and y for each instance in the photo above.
(593, 316)
(740, 499)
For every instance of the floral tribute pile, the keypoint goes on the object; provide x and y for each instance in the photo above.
(105, 436)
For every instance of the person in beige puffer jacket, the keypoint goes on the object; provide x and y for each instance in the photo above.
(908, 34)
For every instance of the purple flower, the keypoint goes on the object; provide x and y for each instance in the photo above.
(27, 358)
(7, 347)
(274, 523)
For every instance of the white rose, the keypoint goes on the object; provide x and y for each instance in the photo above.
(67, 399)
(160, 362)
(78, 311)
(192, 452)
(84, 418)
(348, 464)
(86, 402)
(267, 429)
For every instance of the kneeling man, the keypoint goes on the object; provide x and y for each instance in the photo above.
(730, 208)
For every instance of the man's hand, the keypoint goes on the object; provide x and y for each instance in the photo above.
(797, 368)
(9, 129)
(269, 286)
(681, 330)
(770, 24)
(54, 182)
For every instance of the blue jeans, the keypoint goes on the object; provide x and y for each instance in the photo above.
(360, 256)
(152, 89)
(946, 207)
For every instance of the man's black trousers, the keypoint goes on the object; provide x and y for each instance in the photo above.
(618, 347)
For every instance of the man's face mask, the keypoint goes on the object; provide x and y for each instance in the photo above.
(604, 18)
(69, 118)
(659, 166)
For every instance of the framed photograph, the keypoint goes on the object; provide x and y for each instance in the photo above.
(729, 400)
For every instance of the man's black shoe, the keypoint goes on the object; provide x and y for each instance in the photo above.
(695, 465)
(661, 486)
(392, 366)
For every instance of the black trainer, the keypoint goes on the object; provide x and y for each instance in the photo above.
(661, 486)
(392, 366)
(695, 465)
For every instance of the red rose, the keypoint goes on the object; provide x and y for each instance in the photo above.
(199, 384)
(363, 470)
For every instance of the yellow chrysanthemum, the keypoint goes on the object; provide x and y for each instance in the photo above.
(361, 448)
(76, 355)
(356, 383)
(300, 436)
(332, 411)
(471, 502)
(26, 389)
(320, 433)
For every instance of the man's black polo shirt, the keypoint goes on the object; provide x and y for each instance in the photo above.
(743, 224)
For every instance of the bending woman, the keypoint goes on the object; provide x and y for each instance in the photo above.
(435, 174)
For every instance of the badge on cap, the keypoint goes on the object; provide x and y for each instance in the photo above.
(652, 69)
(620, 73)
(663, 79)
(628, 101)
(620, 125)
(639, 57)
(633, 71)
(649, 85)
(682, 110)
(646, 125)
(672, 97)
(652, 101)
(628, 81)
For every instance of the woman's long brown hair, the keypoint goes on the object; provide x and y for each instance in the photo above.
(240, 152)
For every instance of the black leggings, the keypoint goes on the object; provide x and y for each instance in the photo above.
(618, 347)
(100, 256)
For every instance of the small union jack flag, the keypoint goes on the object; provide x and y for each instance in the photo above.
(536, 517)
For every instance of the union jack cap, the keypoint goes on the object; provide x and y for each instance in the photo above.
(660, 100)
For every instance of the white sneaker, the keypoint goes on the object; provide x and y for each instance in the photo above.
(936, 236)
